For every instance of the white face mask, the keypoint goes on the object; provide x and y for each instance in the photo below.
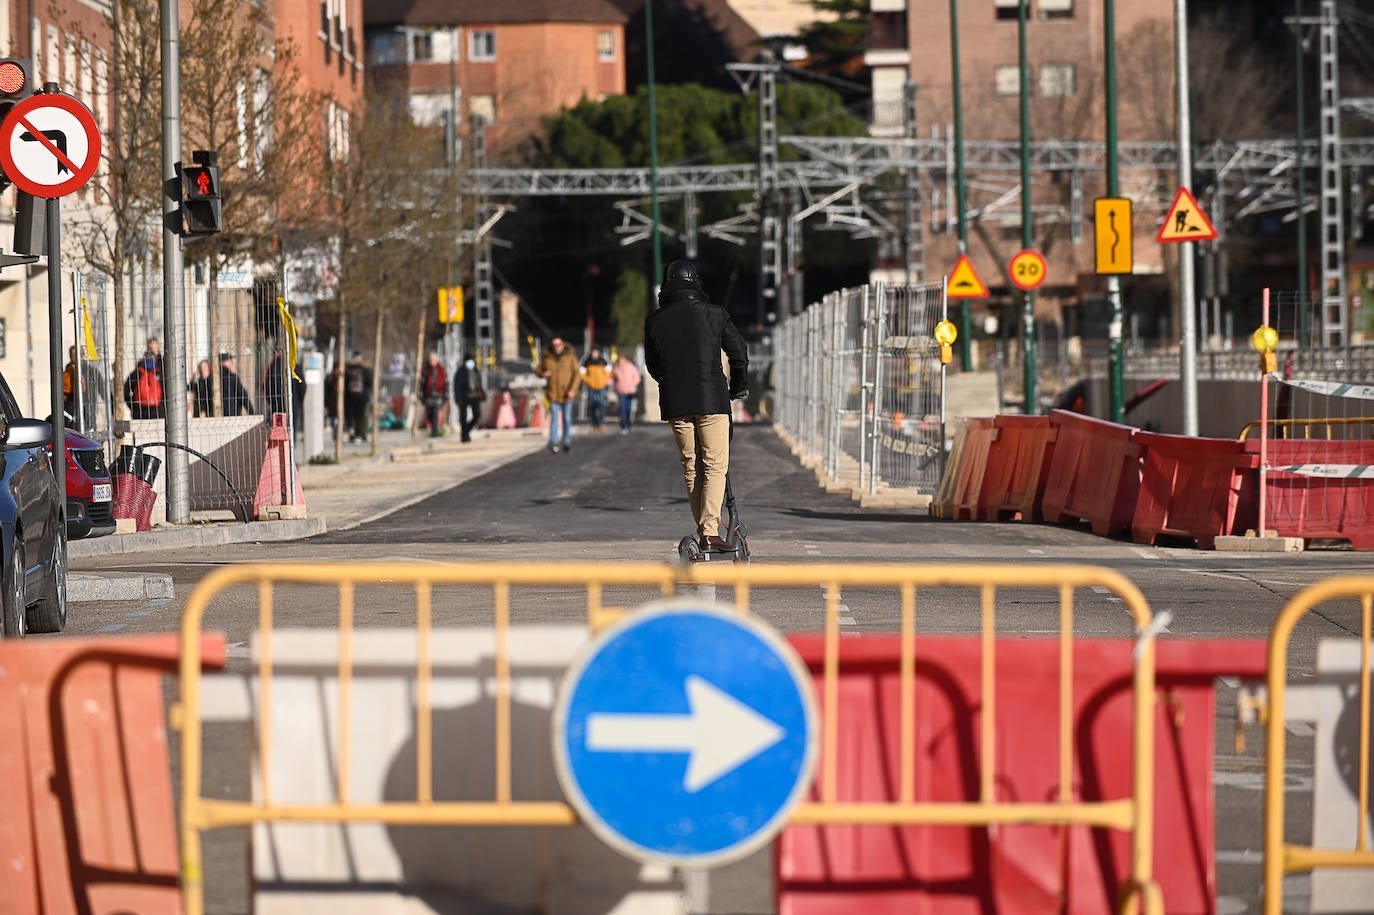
(470, 364)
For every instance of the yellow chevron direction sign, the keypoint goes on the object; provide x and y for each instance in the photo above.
(1112, 235)
(964, 282)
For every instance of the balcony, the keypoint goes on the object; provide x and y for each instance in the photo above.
(887, 31)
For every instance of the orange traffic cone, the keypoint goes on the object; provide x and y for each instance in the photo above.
(276, 471)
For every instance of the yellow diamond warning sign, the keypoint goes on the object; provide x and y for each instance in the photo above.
(1186, 221)
(964, 282)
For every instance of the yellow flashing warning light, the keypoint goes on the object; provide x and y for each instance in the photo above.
(1265, 340)
(945, 334)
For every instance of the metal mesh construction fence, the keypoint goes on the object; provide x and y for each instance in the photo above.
(859, 385)
(238, 378)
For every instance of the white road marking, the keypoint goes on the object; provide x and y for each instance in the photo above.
(1144, 553)
(1098, 589)
(1299, 729)
(1035, 552)
(1240, 856)
(1233, 682)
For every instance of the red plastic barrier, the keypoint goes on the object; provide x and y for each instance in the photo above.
(950, 870)
(1018, 465)
(88, 822)
(1317, 507)
(1191, 487)
(1094, 473)
(968, 483)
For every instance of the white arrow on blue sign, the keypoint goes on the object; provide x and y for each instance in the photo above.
(686, 734)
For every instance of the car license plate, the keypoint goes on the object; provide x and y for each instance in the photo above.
(100, 492)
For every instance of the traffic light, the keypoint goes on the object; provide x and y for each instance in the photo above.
(199, 195)
(16, 84)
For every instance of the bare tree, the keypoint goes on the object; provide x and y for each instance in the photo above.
(390, 222)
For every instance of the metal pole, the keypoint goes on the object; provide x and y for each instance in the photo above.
(653, 144)
(454, 343)
(59, 423)
(1187, 305)
(879, 327)
(944, 375)
(1304, 307)
(865, 392)
(173, 359)
(960, 186)
(1116, 383)
(1027, 238)
(77, 337)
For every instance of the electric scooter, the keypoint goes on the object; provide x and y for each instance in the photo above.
(736, 537)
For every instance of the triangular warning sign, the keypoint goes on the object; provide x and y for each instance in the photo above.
(1186, 221)
(964, 282)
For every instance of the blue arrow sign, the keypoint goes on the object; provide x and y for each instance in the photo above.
(686, 734)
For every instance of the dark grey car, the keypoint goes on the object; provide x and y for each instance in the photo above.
(33, 543)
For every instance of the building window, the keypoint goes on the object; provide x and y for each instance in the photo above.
(1056, 9)
(1057, 80)
(421, 47)
(1008, 80)
(482, 45)
(889, 84)
(386, 48)
(605, 45)
(1008, 9)
(484, 107)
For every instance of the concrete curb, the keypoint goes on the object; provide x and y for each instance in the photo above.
(199, 535)
(87, 587)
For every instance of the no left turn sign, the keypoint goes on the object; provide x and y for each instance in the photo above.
(49, 145)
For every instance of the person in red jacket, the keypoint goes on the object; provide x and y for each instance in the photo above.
(434, 394)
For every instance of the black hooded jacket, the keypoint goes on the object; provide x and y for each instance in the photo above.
(683, 341)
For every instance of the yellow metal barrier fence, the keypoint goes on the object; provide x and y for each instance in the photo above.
(1132, 814)
(1285, 427)
(1279, 857)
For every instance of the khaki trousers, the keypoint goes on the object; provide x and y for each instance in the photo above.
(703, 443)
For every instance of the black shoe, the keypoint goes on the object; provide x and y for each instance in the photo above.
(553, 449)
(567, 448)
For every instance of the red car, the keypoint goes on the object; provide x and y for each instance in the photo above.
(90, 495)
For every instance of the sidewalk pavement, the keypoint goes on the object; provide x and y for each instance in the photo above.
(361, 488)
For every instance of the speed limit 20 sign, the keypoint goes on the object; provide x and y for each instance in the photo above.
(1027, 270)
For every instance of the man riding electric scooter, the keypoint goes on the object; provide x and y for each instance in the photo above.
(683, 342)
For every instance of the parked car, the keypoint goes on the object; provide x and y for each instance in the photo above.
(90, 493)
(33, 543)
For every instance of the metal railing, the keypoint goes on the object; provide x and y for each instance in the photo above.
(859, 386)
(1133, 813)
(1282, 858)
(1350, 427)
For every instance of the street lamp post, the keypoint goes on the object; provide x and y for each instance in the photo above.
(960, 187)
(1027, 237)
(1115, 367)
(653, 144)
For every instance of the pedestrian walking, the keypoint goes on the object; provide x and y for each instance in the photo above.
(434, 394)
(357, 389)
(202, 389)
(683, 341)
(596, 375)
(468, 394)
(143, 389)
(626, 378)
(558, 367)
(233, 396)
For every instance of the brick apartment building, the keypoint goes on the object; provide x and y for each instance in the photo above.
(329, 36)
(512, 63)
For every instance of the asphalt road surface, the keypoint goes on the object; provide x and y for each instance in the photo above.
(620, 498)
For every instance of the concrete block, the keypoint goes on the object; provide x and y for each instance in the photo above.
(90, 587)
(360, 867)
(125, 526)
(282, 513)
(1253, 544)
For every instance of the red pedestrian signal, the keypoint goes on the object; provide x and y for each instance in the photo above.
(197, 190)
(16, 84)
